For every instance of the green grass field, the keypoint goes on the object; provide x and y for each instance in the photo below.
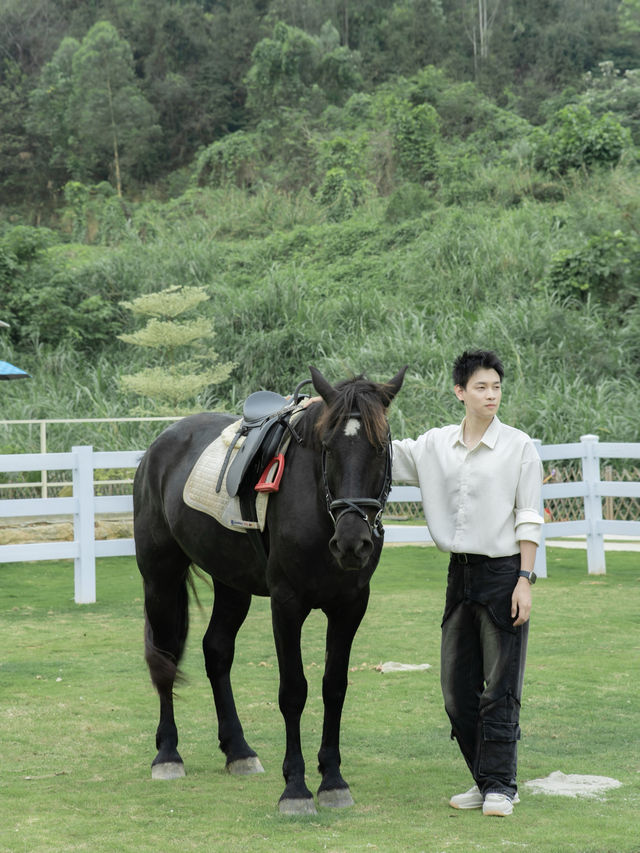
(78, 716)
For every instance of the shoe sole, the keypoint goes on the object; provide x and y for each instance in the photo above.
(453, 805)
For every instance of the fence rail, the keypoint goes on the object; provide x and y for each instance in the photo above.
(84, 505)
(43, 424)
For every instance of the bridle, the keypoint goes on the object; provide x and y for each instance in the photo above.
(338, 507)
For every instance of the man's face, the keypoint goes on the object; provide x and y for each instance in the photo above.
(482, 394)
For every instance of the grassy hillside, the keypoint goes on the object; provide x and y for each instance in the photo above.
(400, 229)
(371, 294)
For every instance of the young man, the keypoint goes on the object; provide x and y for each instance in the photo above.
(480, 483)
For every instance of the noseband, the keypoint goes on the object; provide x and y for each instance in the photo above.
(338, 507)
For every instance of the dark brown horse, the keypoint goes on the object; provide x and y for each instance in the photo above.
(322, 539)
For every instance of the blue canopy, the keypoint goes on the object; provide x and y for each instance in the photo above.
(10, 371)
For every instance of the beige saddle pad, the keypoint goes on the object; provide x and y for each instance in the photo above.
(200, 489)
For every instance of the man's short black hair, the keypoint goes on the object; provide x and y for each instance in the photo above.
(471, 360)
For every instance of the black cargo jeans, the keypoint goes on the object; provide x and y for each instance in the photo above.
(482, 667)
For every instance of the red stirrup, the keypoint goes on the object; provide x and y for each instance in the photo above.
(273, 484)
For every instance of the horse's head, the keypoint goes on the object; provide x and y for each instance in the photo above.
(356, 461)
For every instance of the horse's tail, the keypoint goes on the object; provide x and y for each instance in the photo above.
(163, 668)
(170, 622)
(196, 571)
(163, 663)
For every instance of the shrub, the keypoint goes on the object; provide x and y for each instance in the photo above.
(415, 137)
(408, 201)
(343, 153)
(340, 194)
(575, 139)
(608, 90)
(233, 160)
(23, 242)
(458, 171)
(605, 266)
(8, 266)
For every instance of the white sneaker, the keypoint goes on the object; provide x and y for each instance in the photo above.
(471, 799)
(498, 804)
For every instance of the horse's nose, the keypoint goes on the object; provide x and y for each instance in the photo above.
(351, 551)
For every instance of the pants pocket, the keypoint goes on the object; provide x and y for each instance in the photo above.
(498, 751)
(500, 732)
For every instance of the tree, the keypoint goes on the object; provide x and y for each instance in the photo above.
(192, 64)
(479, 17)
(176, 378)
(49, 102)
(282, 69)
(16, 153)
(629, 17)
(408, 35)
(294, 68)
(114, 127)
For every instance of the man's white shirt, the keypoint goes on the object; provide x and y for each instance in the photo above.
(479, 501)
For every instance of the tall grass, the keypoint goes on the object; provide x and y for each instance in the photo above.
(65, 386)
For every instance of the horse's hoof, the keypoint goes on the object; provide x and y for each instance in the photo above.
(336, 798)
(168, 770)
(245, 766)
(297, 807)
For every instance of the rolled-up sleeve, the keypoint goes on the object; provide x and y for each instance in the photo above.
(528, 520)
(404, 468)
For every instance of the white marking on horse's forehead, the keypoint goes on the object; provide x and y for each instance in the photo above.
(352, 427)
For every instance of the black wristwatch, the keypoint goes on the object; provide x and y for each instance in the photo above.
(530, 576)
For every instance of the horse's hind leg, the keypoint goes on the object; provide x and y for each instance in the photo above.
(230, 609)
(166, 626)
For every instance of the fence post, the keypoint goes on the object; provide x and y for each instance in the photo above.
(593, 505)
(44, 493)
(540, 565)
(83, 526)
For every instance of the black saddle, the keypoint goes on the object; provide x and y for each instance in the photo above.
(265, 418)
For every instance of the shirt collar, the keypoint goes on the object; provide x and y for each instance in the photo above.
(490, 437)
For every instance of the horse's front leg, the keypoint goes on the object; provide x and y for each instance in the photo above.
(288, 618)
(343, 622)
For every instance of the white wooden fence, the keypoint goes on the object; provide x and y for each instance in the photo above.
(84, 505)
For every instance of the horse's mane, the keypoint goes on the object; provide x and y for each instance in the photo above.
(369, 399)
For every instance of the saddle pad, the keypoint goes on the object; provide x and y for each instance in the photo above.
(200, 489)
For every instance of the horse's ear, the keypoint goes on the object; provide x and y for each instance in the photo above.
(394, 385)
(322, 386)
